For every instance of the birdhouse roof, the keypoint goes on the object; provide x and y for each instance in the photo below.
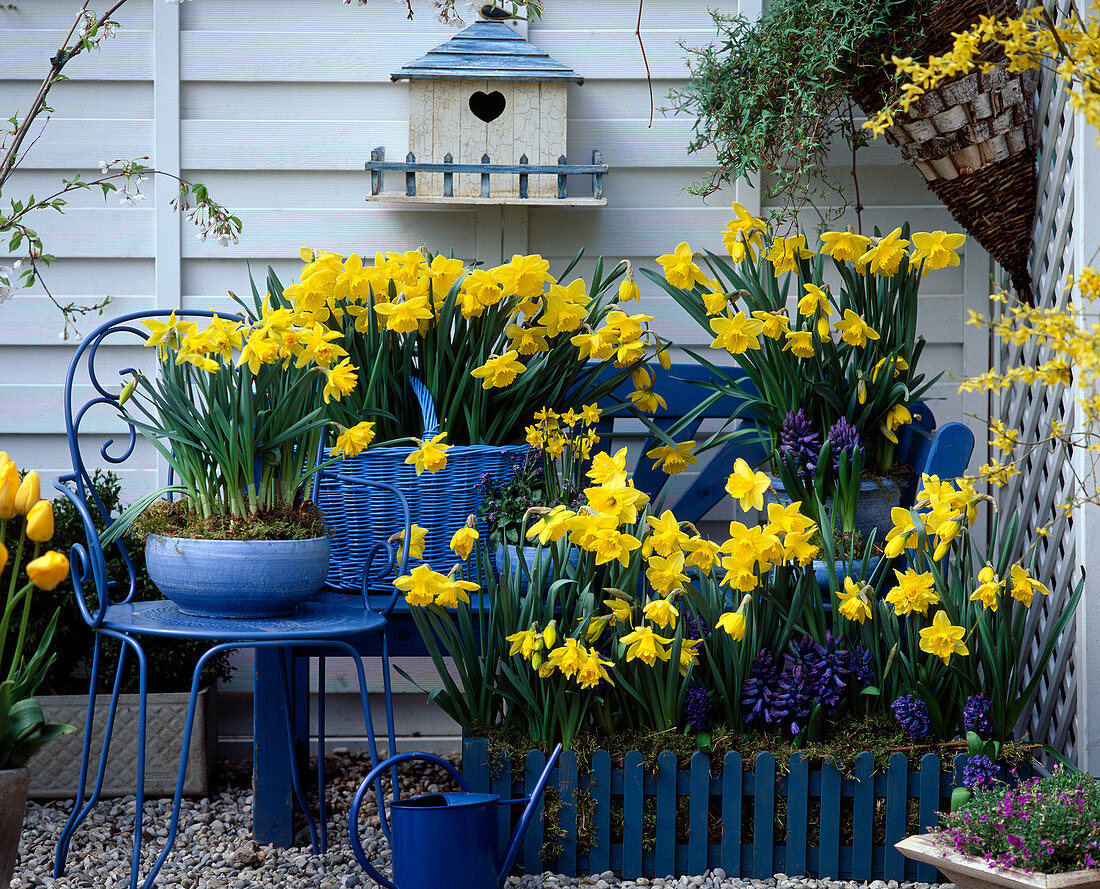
(487, 51)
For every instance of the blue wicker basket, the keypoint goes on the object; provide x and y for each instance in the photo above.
(358, 520)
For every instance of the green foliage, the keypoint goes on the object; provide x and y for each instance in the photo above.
(1048, 825)
(766, 94)
(171, 661)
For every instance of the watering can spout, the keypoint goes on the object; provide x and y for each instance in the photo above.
(528, 814)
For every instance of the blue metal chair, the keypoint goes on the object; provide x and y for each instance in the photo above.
(943, 451)
(317, 628)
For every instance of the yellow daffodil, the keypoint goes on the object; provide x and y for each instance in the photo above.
(914, 592)
(736, 334)
(854, 330)
(406, 315)
(662, 612)
(844, 246)
(666, 573)
(884, 258)
(936, 249)
(800, 343)
(608, 470)
(702, 554)
(339, 380)
(551, 526)
(785, 253)
(454, 591)
(988, 589)
(895, 418)
(673, 459)
(943, 639)
(734, 624)
(680, 268)
(645, 645)
(464, 539)
(620, 610)
(744, 234)
(416, 544)
(746, 486)
(499, 371)
(355, 440)
(431, 455)
(855, 601)
(1024, 586)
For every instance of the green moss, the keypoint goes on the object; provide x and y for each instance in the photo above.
(283, 522)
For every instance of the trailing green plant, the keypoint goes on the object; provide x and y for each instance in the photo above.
(768, 95)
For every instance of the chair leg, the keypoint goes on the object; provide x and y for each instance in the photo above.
(322, 815)
(368, 722)
(139, 800)
(82, 809)
(181, 777)
(295, 777)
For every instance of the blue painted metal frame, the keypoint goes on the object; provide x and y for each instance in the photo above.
(317, 628)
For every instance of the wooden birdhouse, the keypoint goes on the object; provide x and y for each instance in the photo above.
(487, 124)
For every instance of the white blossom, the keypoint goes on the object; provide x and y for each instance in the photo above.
(5, 293)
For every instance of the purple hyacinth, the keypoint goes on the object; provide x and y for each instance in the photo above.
(697, 707)
(801, 443)
(764, 667)
(862, 666)
(976, 715)
(844, 437)
(695, 629)
(831, 679)
(795, 698)
(912, 713)
(805, 653)
(758, 691)
(980, 772)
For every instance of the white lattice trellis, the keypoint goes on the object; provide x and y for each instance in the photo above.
(1046, 478)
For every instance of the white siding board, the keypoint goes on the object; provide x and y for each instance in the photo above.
(127, 56)
(78, 98)
(135, 15)
(365, 103)
(81, 143)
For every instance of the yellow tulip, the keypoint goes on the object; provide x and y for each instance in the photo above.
(28, 494)
(49, 570)
(40, 521)
(3, 556)
(9, 486)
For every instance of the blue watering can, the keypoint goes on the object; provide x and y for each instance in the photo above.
(444, 840)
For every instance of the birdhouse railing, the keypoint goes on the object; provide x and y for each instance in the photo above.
(377, 166)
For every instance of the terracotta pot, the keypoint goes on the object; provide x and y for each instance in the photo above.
(13, 800)
(971, 872)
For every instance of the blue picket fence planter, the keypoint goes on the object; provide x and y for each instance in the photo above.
(806, 789)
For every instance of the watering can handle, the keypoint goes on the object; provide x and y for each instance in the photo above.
(357, 801)
(528, 814)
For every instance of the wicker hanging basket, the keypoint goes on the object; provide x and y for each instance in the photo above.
(971, 138)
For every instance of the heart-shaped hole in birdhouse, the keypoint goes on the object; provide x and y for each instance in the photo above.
(487, 107)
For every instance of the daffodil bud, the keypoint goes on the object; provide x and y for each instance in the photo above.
(550, 634)
(596, 628)
(536, 660)
(40, 521)
(664, 358)
(49, 570)
(126, 392)
(28, 494)
(9, 487)
(3, 555)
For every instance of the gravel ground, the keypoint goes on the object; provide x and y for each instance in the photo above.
(214, 849)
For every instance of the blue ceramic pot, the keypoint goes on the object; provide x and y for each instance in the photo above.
(511, 555)
(236, 578)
